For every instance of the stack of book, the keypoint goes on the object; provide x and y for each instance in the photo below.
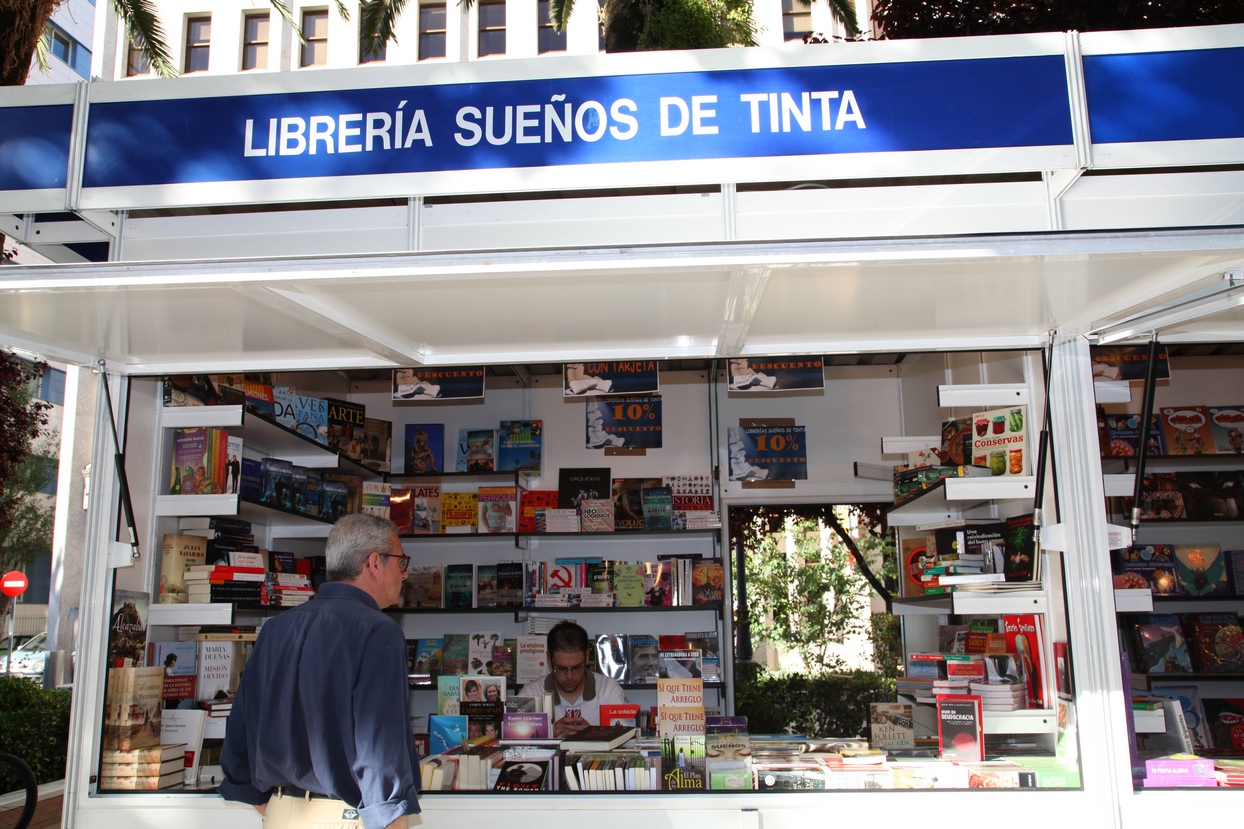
(142, 769)
(289, 589)
(997, 697)
(561, 520)
(218, 707)
(228, 583)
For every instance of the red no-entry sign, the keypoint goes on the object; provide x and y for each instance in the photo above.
(14, 583)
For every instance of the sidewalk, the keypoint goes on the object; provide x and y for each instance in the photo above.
(47, 812)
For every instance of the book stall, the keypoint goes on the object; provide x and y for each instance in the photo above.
(558, 372)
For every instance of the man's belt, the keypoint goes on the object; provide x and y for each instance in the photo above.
(295, 791)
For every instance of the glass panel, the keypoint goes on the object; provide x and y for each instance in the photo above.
(257, 28)
(315, 24)
(137, 63)
(255, 37)
(315, 53)
(431, 18)
(315, 30)
(492, 16)
(551, 41)
(200, 31)
(795, 26)
(492, 43)
(432, 45)
(60, 46)
(255, 56)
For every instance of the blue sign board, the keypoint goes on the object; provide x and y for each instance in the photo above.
(1165, 96)
(630, 421)
(34, 147)
(745, 113)
(768, 453)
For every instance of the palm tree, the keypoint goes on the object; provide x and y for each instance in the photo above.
(24, 22)
(842, 11)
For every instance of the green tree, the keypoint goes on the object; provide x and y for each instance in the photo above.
(844, 12)
(25, 467)
(808, 598)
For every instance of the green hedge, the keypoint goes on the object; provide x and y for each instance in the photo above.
(830, 705)
(34, 725)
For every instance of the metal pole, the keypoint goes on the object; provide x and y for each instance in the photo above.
(8, 662)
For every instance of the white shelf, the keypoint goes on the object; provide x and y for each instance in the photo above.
(983, 395)
(1112, 391)
(281, 524)
(1001, 488)
(197, 417)
(1027, 721)
(216, 613)
(965, 602)
(257, 433)
(1150, 722)
(1121, 485)
(1133, 601)
(196, 505)
(965, 498)
(903, 444)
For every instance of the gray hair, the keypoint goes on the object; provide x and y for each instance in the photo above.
(352, 539)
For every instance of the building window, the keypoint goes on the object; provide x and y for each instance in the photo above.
(549, 40)
(315, 30)
(431, 30)
(491, 28)
(796, 19)
(198, 41)
(76, 56)
(136, 63)
(255, 41)
(366, 56)
(52, 386)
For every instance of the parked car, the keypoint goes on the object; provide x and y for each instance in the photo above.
(28, 659)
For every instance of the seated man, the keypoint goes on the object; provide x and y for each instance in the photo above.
(578, 693)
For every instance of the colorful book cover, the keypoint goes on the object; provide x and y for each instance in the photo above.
(892, 725)
(707, 581)
(446, 731)
(1160, 644)
(485, 585)
(425, 509)
(459, 585)
(424, 586)
(682, 763)
(657, 503)
(190, 462)
(1023, 638)
(1123, 436)
(531, 660)
(525, 725)
(258, 391)
(1225, 720)
(334, 499)
(376, 498)
(1187, 430)
(401, 509)
(1201, 570)
(1021, 549)
(311, 418)
(459, 512)
(425, 448)
(916, 554)
(531, 502)
(428, 655)
(621, 713)
(476, 450)
(579, 483)
(180, 552)
(643, 656)
(377, 444)
(127, 629)
(658, 583)
(596, 515)
(283, 405)
(1217, 641)
(628, 502)
(519, 446)
(511, 577)
(708, 644)
(498, 508)
(1226, 423)
(1211, 496)
(455, 656)
(178, 661)
(1161, 498)
(999, 441)
(960, 728)
(346, 424)
(354, 488)
(628, 583)
(448, 689)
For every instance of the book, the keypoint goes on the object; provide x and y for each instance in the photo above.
(1226, 424)
(1024, 638)
(624, 714)
(1187, 430)
(642, 658)
(139, 708)
(218, 668)
(658, 508)
(682, 763)
(610, 652)
(596, 515)
(401, 509)
(377, 444)
(424, 586)
(334, 498)
(459, 585)
(498, 508)
(127, 629)
(531, 659)
(456, 653)
(708, 578)
(160, 753)
(522, 776)
(163, 781)
(519, 446)
(628, 583)
(525, 725)
(108, 768)
(425, 448)
(1217, 642)
(709, 645)
(187, 726)
(311, 418)
(891, 725)
(598, 738)
(179, 552)
(658, 583)
(1189, 697)
(1123, 436)
(960, 728)
(1223, 718)
(511, 576)
(1201, 570)
(446, 731)
(999, 441)
(459, 512)
(346, 424)
(1160, 645)
(575, 484)
(479, 650)
(448, 691)
(485, 586)
(683, 663)
(1211, 496)
(178, 661)
(628, 502)
(376, 498)
(476, 450)
(531, 505)
(1020, 564)
(283, 405)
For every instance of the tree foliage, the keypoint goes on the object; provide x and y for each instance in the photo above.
(900, 19)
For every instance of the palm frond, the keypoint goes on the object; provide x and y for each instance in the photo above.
(43, 49)
(342, 10)
(144, 31)
(843, 11)
(378, 23)
(559, 14)
(288, 17)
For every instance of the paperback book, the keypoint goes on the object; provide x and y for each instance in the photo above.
(476, 450)
(519, 446)
(425, 448)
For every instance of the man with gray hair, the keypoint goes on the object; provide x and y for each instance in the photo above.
(319, 732)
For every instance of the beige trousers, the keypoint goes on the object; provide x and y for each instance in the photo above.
(303, 812)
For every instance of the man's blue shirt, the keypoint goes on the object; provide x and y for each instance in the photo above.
(323, 705)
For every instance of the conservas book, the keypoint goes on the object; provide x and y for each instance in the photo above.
(425, 448)
(179, 552)
(519, 446)
(1000, 441)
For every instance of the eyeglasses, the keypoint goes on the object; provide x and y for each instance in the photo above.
(402, 561)
(567, 670)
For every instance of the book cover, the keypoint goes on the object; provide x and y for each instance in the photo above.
(456, 653)
(628, 583)
(522, 775)
(628, 502)
(311, 418)
(1160, 644)
(190, 462)
(960, 728)
(1226, 424)
(377, 444)
(891, 725)
(485, 585)
(999, 441)
(1211, 496)
(476, 450)
(1201, 570)
(424, 509)
(642, 658)
(183, 726)
(657, 503)
(278, 483)
(1189, 697)
(658, 583)
(138, 784)
(531, 502)
(334, 498)
(1161, 498)
(531, 659)
(519, 446)
(481, 688)
(708, 644)
(1023, 638)
(424, 586)
(177, 659)
(428, 655)
(346, 424)
(141, 708)
(402, 509)
(179, 553)
(448, 690)
(707, 581)
(498, 506)
(916, 554)
(425, 448)
(459, 585)
(283, 405)
(376, 498)
(598, 738)
(611, 656)
(625, 714)
(1235, 566)
(1217, 642)
(218, 668)
(682, 763)
(446, 731)
(1187, 430)
(258, 391)
(511, 576)
(683, 663)
(1123, 435)
(479, 652)
(127, 629)
(1225, 720)
(596, 515)
(354, 485)
(576, 484)
(459, 512)
(1020, 547)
